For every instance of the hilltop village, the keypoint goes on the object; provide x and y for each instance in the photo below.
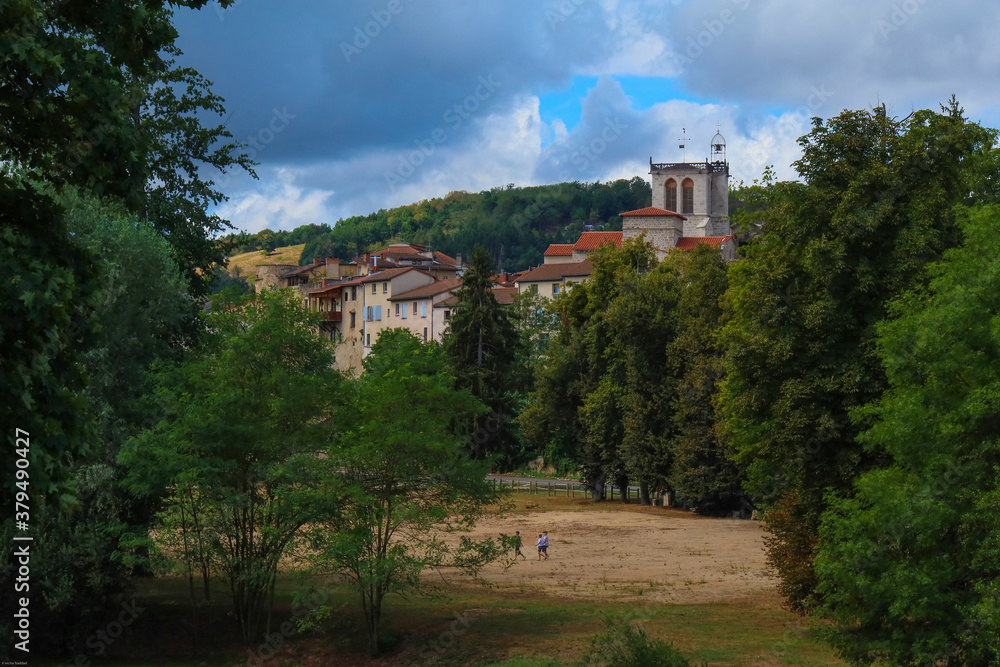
(407, 285)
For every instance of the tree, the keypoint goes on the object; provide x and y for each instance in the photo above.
(482, 346)
(642, 321)
(702, 472)
(625, 644)
(56, 59)
(404, 477)
(908, 565)
(177, 199)
(616, 272)
(876, 206)
(238, 452)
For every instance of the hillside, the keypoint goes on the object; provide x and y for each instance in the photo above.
(514, 224)
(245, 264)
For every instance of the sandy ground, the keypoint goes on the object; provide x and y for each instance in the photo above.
(662, 555)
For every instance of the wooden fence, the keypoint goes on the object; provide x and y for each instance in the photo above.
(555, 488)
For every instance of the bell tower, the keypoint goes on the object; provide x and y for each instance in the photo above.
(699, 191)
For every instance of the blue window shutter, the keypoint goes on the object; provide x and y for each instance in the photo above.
(378, 313)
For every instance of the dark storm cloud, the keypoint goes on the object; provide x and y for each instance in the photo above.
(378, 74)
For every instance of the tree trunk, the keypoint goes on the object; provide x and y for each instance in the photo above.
(596, 485)
(621, 481)
(644, 494)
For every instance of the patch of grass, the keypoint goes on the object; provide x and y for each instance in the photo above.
(248, 262)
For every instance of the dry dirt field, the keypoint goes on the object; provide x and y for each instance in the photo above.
(616, 551)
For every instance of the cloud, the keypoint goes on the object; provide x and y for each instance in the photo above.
(383, 102)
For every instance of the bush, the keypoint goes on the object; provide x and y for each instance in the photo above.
(627, 645)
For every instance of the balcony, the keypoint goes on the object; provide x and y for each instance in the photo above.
(331, 316)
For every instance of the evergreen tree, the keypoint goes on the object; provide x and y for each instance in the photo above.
(482, 346)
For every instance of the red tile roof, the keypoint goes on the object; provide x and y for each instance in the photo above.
(559, 250)
(650, 210)
(594, 240)
(690, 242)
(504, 295)
(388, 274)
(549, 272)
(433, 289)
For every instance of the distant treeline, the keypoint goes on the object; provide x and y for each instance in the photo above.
(514, 224)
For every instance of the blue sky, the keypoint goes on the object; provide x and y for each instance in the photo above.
(353, 107)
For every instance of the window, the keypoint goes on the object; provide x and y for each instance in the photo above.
(687, 187)
(385, 288)
(447, 315)
(555, 289)
(425, 334)
(671, 200)
(397, 310)
(369, 314)
(354, 293)
(374, 290)
(404, 311)
(423, 310)
(352, 319)
(368, 340)
(414, 308)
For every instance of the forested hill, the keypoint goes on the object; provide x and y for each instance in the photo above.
(514, 224)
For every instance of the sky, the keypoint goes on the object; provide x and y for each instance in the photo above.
(351, 107)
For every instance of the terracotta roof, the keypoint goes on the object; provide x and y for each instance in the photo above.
(594, 240)
(690, 242)
(559, 250)
(387, 274)
(650, 210)
(450, 302)
(433, 289)
(302, 270)
(549, 272)
(504, 295)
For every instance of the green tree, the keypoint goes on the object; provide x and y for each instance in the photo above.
(482, 346)
(56, 60)
(875, 207)
(239, 451)
(908, 566)
(625, 644)
(701, 472)
(404, 476)
(177, 198)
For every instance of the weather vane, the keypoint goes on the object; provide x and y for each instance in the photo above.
(683, 141)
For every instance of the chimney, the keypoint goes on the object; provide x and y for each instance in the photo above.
(333, 260)
(326, 281)
(317, 260)
(458, 259)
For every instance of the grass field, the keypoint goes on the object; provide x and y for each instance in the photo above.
(526, 617)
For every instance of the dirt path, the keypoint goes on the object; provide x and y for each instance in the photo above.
(659, 554)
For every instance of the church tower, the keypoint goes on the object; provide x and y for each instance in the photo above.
(699, 191)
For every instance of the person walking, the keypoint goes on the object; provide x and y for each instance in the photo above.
(539, 546)
(545, 544)
(517, 546)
